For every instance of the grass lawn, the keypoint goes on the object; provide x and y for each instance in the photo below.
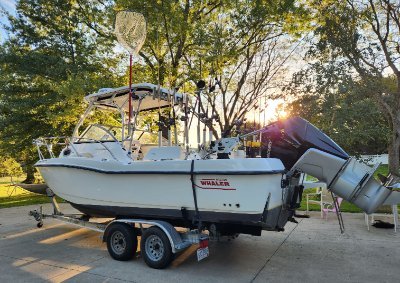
(383, 169)
(11, 196)
(344, 207)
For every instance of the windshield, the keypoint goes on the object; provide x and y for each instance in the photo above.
(145, 137)
(106, 133)
(101, 133)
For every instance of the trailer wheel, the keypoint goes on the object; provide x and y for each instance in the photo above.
(121, 241)
(156, 248)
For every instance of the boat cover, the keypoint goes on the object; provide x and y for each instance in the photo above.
(292, 137)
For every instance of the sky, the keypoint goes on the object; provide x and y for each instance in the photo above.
(9, 6)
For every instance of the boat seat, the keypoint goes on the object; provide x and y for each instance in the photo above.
(164, 153)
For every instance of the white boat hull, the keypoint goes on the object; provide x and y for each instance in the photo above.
(228, 190)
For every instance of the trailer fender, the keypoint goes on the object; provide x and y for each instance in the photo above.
(174, 237)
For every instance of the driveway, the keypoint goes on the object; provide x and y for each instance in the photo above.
(311, 251)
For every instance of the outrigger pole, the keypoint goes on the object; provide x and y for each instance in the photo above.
(186, 124)
(130, 95)
(174, 117)
(200, 86)
(169, 120)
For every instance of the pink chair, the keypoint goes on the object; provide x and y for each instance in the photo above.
(330, 207)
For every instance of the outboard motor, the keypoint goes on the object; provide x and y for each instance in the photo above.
(303, 147)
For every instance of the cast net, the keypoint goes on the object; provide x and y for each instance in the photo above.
(130, 29)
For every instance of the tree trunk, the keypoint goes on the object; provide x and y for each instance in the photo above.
(30, 174)
(394, 150)
(394, 145)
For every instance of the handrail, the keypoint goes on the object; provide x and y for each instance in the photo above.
(43, 142)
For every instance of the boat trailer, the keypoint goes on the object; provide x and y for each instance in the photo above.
(160, 241)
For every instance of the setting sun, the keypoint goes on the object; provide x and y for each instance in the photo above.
(273, 110)
(282, 114)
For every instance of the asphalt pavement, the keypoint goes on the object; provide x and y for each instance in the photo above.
(313, 250)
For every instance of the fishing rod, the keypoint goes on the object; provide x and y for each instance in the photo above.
(200, 86)
(169, 122)
(193, 112)
(174, 116)
(205, 127)
(203, 117)
(160, 122)
(186, 124)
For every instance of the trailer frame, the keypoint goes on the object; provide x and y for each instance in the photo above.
(178, 241)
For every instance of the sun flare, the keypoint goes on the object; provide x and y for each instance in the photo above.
(272, 110)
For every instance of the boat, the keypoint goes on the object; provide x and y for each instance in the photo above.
(101, 174)
(108, 171)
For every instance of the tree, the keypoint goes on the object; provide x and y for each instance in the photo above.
(172, 28)
(236, 46)
(58, 51)
(336, 103)
(365, 33)
(10, 167)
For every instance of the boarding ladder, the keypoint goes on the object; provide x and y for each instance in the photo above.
(338, 212)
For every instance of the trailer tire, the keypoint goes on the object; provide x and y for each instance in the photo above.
(156, 248)
(121, 241)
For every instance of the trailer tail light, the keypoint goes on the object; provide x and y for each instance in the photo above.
(203, 244)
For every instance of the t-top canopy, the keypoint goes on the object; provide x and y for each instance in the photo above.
(152, 96)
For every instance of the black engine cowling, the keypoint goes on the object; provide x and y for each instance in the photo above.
(291, 138)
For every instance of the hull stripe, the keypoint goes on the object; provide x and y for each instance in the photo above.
(168, 214)
(272, 172)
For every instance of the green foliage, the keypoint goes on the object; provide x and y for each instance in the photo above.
(364, 35)
(10, 167)
(220, 41)
(336, 103)
(58, 52)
